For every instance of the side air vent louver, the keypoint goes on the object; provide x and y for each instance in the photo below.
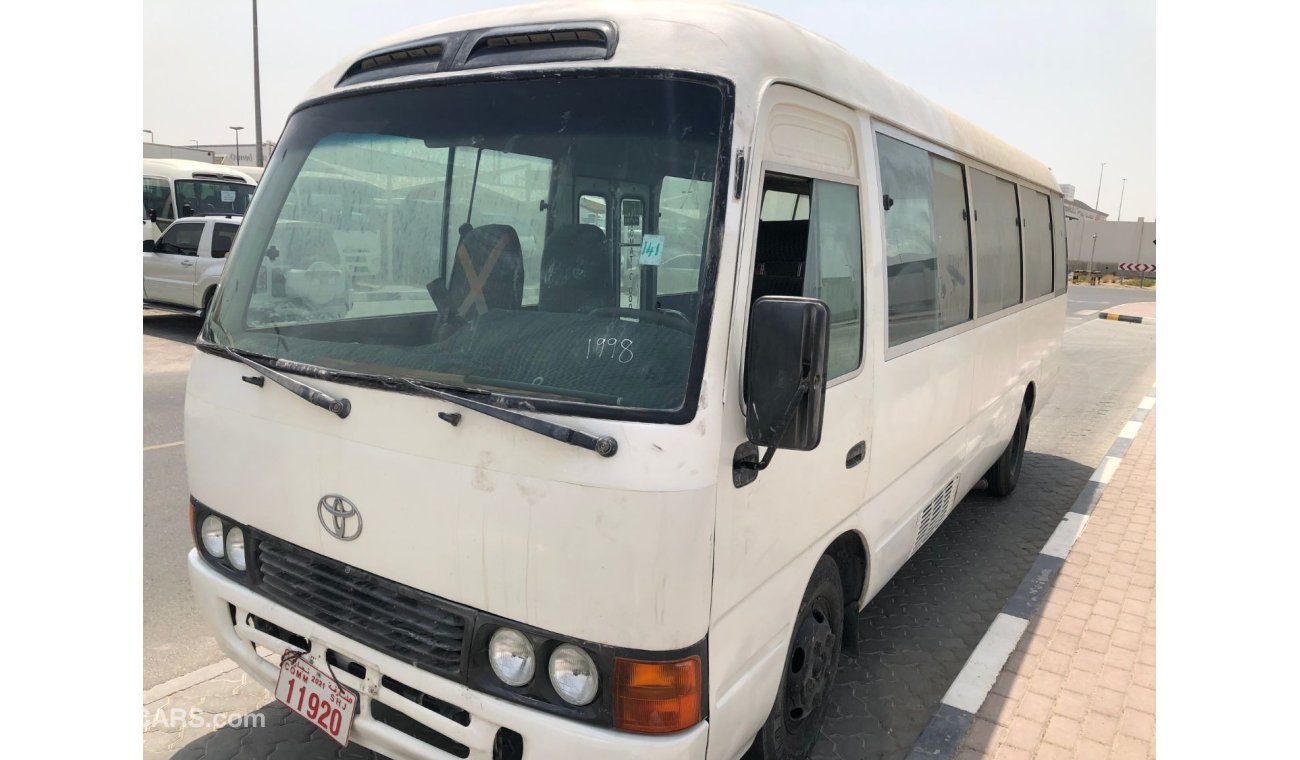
(421, 57)
(934, 513)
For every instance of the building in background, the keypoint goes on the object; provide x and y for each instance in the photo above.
(158, 150)
(1077, 209)
(225, 152)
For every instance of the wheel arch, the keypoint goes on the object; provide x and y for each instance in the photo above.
(849, 550)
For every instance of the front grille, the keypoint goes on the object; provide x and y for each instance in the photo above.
(411, 625)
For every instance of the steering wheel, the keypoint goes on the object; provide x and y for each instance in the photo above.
(671, 320)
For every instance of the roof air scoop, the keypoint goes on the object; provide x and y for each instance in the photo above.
(538, 43)
(419, 57)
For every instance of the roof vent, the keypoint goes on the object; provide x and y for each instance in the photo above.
(420, 57)
(541, 43)
(220, 177)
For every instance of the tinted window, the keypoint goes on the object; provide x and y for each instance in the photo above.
(835, 269)
(157, 198)
(1036, 222)
(1058, 244)
(819, 256)
(182, 238)
(997, 242)
(223, 238)
(927, 240)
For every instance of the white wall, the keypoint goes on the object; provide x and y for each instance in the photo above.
(1117, 243)
(158, 150)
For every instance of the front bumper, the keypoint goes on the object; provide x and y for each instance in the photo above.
(230, 608)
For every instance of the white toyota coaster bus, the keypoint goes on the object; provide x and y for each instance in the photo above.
(517, 490)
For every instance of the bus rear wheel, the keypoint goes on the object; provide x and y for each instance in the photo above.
(810, 665)
(1005, 474)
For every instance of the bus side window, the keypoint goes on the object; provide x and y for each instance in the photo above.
(809, 244)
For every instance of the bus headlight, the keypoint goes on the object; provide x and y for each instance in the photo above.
(212, 534)
(235, 549)
(511, 656)
(573, 674)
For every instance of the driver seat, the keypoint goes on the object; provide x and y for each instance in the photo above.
(577, 271)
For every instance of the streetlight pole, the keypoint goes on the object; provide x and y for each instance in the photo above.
(236, 144)
(1092, 266)
(257, 91)
(1097, 203)
(150, 131)
(1119, 215)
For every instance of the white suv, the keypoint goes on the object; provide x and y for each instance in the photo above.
(183, 267)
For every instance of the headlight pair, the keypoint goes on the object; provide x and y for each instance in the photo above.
(572, 672)
(222, 542)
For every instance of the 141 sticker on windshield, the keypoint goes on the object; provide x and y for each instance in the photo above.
(652, 250)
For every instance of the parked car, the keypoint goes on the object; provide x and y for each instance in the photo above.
(183, 267)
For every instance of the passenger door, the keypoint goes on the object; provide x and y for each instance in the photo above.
(169, 272)
(803, 236)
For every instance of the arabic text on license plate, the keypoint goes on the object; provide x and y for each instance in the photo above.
(314, 695)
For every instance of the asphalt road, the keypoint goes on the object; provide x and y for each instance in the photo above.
(1086, 300)
(914, 636)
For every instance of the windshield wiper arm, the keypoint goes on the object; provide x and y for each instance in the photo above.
(604, 445)
(340, 406)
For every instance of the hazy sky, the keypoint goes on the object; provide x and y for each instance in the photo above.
(1070, 83)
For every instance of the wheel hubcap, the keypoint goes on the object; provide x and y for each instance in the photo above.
(808, 676)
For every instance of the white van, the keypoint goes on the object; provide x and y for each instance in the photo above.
(179, 187)
(514, 494)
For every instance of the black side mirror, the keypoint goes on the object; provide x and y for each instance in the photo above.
(149, 246)
(785, 373)
(187, 210)
(153, 216)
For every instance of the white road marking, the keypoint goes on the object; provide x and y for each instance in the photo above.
(1106, 470)
(1131, 429)
(157, 446)
(1065, 535)
(981, 670)
(1086, 312)
(1147, 403)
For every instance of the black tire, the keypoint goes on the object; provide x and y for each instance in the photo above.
(810, 665)
(1005, 474)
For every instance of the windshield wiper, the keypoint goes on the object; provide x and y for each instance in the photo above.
(340, 406)
(604, 445)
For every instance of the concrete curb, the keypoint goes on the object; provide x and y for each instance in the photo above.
(180, 683)
(1126, 318)
(943, 735)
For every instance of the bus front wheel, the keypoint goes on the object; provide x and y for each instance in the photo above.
(1003, 476)
(794, 725)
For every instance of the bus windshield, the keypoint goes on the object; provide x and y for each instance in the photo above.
(494, 235)
(204, 196)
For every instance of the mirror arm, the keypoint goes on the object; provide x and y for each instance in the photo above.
(804, 386)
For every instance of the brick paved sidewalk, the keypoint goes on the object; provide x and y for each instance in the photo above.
(1081, 683)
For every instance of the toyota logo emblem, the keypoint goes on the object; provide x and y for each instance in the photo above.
(339, 516)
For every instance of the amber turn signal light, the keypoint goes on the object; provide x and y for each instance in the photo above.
(657, 697)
